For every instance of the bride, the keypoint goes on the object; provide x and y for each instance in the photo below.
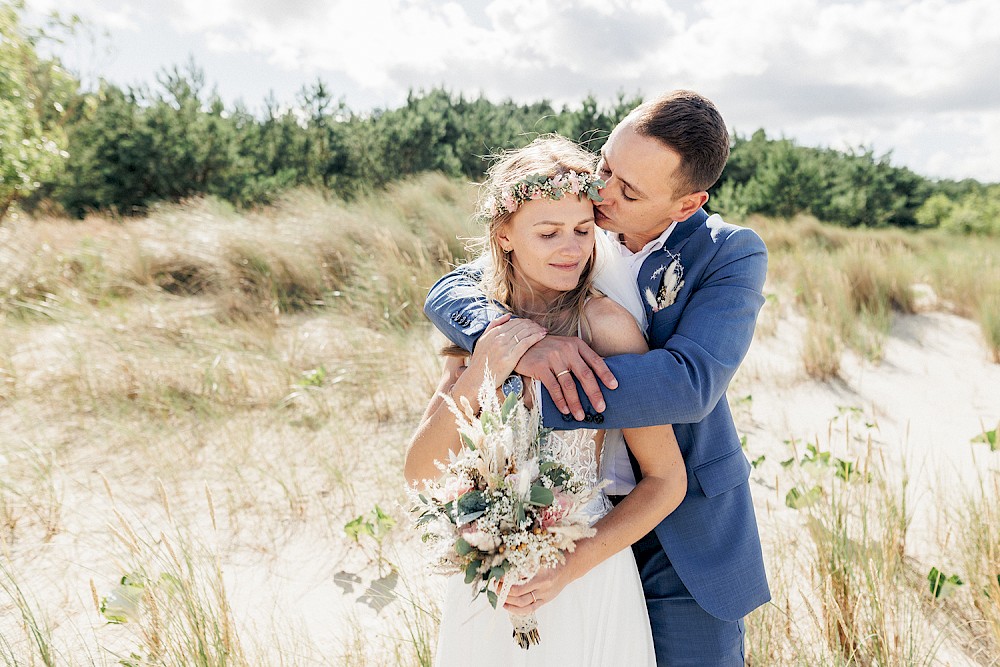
(539, 263)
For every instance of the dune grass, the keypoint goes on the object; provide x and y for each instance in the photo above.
(851, 283)
(200, 401)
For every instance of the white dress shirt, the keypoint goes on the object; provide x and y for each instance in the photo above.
(616, 467)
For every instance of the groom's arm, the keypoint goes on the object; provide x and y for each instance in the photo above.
(684, 380)
(456, 306)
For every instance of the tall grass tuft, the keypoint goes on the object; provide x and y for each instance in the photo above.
(864, 605)
(978, 548)
(36, 643)
(173, 601)
(856, 281)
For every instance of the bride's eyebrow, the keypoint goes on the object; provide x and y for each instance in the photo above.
(560, 223)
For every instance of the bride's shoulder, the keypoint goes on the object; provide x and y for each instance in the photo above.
(612, 328)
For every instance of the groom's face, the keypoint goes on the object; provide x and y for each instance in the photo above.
(639, 196)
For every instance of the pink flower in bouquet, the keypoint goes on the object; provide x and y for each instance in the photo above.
(555, 512)
(452, 489)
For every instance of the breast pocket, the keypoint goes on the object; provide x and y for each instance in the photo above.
(724, 473)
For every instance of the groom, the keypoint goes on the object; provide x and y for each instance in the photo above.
(700, 280)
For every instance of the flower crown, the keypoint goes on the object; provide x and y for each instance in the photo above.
(540, 186)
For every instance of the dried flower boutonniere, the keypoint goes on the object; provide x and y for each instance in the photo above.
(671, 277)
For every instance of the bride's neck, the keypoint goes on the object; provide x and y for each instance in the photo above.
(532, 302)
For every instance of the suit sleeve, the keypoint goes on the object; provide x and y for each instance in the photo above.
(684, 380)
(457, 307)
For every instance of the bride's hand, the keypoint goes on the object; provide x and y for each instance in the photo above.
(542, 588)
(502, 345)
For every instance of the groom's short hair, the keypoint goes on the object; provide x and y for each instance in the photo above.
(688, 123)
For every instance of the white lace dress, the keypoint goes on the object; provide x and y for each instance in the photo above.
(599, 619)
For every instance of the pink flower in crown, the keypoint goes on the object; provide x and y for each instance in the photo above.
(508, 201)
(536, 193)
(557, 181)
(575, 183)
(494, 209)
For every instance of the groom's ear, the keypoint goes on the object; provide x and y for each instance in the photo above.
(689, 205)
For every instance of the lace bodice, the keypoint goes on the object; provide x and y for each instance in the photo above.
(577, 450)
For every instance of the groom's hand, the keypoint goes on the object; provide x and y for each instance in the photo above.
(548, 359)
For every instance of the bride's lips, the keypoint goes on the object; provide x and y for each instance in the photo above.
(565, 267)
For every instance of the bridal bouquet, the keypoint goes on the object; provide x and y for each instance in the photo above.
(507, 504)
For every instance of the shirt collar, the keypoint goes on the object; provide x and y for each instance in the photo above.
(647, 249)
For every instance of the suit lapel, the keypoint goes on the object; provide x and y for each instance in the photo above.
(646, 280)
(683, 231)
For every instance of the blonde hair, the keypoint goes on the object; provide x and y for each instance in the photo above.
(549, 156)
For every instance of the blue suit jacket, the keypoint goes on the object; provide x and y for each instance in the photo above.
(696, 345)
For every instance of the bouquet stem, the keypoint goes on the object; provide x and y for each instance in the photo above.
(525, 630)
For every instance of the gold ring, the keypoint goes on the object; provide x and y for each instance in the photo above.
(562, 372)
(516, 339)
(533, 600)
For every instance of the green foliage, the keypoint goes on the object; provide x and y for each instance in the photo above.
(988, 438)
(778, 178)
(127, 149)
(942, 585)
(32, 90)
(131, 148)
(376, 524)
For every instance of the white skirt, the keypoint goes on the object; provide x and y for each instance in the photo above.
(599, 619)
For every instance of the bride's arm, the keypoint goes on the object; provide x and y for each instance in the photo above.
(660, 490)
(499, 349)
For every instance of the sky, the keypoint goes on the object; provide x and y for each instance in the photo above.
(919, 79)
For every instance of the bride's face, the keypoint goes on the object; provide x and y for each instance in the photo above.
(550, 243)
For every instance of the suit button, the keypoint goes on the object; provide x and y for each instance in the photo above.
(567, 418)
(589, 418)
(598, 418)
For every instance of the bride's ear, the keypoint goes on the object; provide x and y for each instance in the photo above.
(503, 239)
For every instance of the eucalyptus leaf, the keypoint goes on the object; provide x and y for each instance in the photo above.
(507, 406)
(541, 496)
(472, 571)
(469, 517)
(462, 547)
(467, 441)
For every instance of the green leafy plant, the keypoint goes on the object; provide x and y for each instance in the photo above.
(797, 500)
(942, 585)
(988, 438)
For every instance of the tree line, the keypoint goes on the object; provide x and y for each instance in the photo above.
(122, 149)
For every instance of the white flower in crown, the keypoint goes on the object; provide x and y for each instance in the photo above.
(671, 278)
